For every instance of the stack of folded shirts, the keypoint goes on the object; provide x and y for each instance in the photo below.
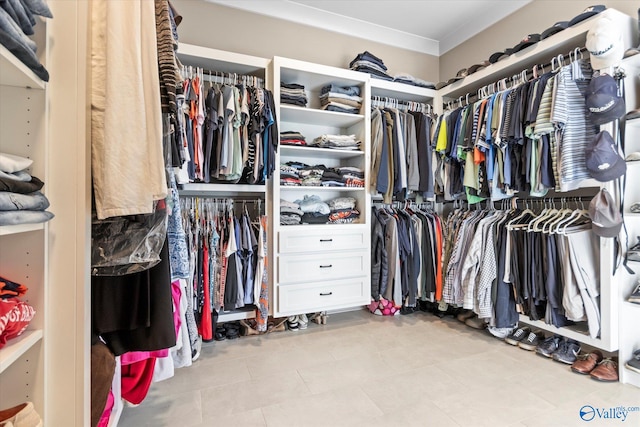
(367, 62)
(293, 93)
(21, 201)
(315, 210)
(290, 213)
(342, 142)
(311, 176)
(292, 138)
(352, 176)
(342, 99)
(414, 81)
(343, 210)
(289, 176)
(15, 315)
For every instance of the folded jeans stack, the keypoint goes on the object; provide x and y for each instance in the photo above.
(315, 210)
(17, 19)
(341, 99)
(290, 137)
(340, 142)
(367, 62)
(21, 201)
(294, 94)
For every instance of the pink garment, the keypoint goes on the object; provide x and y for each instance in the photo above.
(104, 419)
(176, 293)
(138, 356)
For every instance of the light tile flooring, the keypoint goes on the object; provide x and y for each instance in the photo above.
(366, 370)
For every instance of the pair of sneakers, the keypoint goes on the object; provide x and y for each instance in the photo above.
(560, 349)
(295, 323)
(635, 295)
(525, 338)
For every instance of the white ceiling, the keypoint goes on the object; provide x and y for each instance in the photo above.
(428, 26)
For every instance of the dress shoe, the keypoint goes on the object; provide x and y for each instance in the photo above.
(606, 371)
(587, 362)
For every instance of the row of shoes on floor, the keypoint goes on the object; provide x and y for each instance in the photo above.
(301, 321)
(568, 351)
(22, 415)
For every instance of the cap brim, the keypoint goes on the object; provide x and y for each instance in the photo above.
(611, 231)
(614, 172)
(616, 112)
(612, 58)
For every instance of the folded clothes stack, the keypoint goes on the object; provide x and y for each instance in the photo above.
(300, 174)
(294, 94)
(17, 19)
(315, 210)
(367, 62)
(292, 138)
(290, 213)
(340, 142)
(21, 201)
(15, 314)
(414, 81)
(344, 99)
(343, 210)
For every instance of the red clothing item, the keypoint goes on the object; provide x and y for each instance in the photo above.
(136, 380)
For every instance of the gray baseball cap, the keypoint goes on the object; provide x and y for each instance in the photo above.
(606, 220)
(603, 160)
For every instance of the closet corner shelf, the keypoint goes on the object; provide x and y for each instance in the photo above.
(200, 189)
(634, 122)
(240, 314)
(6, 230)
(18, 346)
(292, 113)
(567, 332)
(318, 153)
(14, 73)
(403, 91)
(222, 61)
(632, 305)
(312, 188)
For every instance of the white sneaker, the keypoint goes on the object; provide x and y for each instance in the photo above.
(303, 321)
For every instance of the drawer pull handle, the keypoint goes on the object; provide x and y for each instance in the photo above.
(326, 266)
(325, 294)
(326, 240)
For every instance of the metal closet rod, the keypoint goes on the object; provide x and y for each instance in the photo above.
(212, 76)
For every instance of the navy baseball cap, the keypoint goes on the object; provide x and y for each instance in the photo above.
(603, 160)
(526, 42)
(587, 13)
(602, 100)
(554, 29)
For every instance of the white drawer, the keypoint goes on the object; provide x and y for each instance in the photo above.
(296, 241)
(320, 296)
(324, 266)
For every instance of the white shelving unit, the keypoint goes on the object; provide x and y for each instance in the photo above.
(221, 61)
(629, 314)
(541, 53)
(23, 248)
(323, 266)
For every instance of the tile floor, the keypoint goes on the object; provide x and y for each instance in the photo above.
(366, 370)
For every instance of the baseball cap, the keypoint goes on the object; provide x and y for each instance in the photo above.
(526, 42)
(603, 160)
(477, 67)
(606, 220)
(604, 43)
(495, 57)
(555, 28)
(587, 13)
(602, 100)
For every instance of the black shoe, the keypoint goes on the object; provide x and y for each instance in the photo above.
(549, 346)
(532, 341)
(634, 363)
(567, 352)
(517, 336)
(635, 295)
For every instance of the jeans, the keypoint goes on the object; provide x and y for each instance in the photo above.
(368, 56)
(346, 90)
(35, 201)
(21, 187)
(24, 217)
(38, 7)
(21, 46)
(17, 176)
(21, 16)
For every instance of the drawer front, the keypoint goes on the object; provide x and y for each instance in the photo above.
(320, 296)
(317, 267)
(295, 241)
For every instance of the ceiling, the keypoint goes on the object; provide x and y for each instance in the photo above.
(428, 26)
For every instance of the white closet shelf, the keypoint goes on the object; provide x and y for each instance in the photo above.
(537, 54)
(567, 332)
(6, 230)
(295, 114)
(219, 60)
(402, 91)
(241, 314)
(220, 189)
(634, 122)
(320, 153)
(14, 73)
(318, 188)
(631, 305)
(18, 346)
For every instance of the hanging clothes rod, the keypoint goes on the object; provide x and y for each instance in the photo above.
(388, 102)
(220, 77)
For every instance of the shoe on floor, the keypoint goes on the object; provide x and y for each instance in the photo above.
(635, 295)
(500, 333)
(464, 315)
(549, 346)
(567, 352)
(606, 371)
(531, 342)
(292, 323)
(23, 415)
(517, 336)
(634, 363)
(303, 321)
(476, 323)
(586, 362)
